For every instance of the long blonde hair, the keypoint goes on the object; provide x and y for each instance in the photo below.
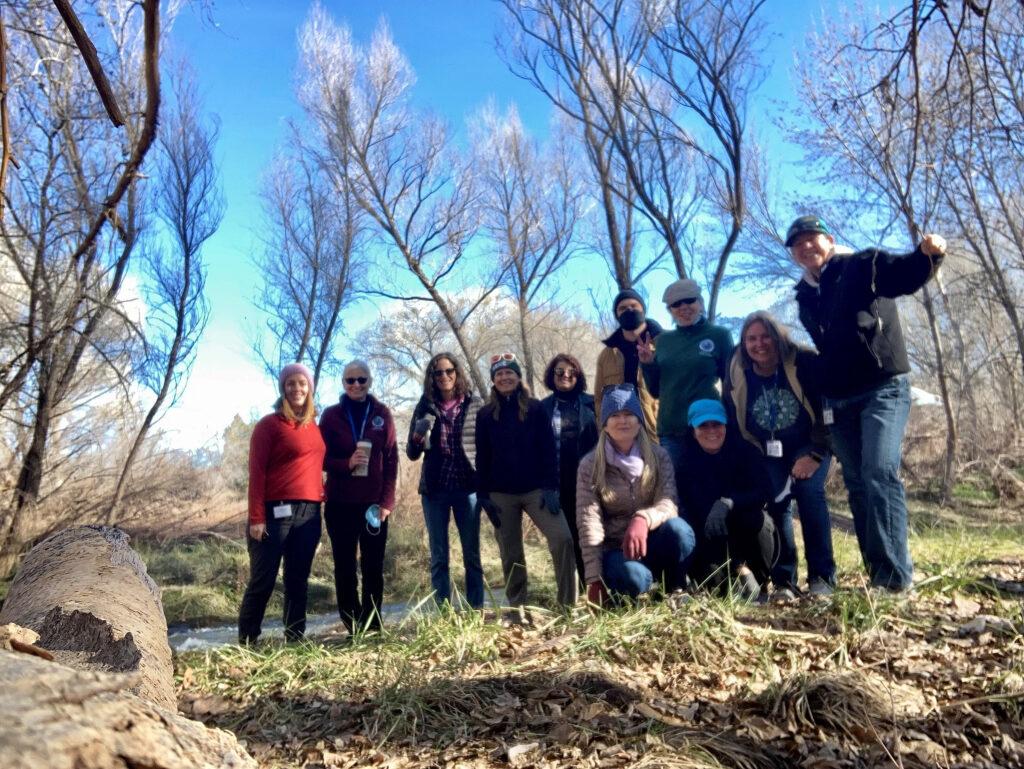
(650, 478)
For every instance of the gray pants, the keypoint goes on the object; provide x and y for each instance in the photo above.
(510, 543)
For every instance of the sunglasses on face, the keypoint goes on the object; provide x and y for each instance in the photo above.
(680, 302)
(568, 373)
(440, 372)
(503, 356)
(351, 380)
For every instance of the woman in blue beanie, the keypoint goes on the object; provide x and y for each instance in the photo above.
(630, 531)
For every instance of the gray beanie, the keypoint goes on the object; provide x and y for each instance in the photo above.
(682, 289)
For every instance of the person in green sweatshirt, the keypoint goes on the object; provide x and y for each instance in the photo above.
(685, 365)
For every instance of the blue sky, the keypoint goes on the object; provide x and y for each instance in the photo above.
(245, 61)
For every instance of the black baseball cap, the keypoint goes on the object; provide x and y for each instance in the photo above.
(805, 224)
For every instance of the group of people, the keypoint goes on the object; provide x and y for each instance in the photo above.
(681, 469)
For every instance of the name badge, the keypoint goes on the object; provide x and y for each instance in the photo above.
(827, 416)
(282, 511)
(774, 449)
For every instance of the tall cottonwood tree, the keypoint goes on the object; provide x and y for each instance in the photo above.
(530, 202)
(397, 162)
(662, 89)
(310, 265)
(189, 207)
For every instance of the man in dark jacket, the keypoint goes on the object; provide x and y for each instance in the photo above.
(847, 304)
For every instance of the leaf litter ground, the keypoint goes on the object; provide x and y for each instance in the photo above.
(857, 680)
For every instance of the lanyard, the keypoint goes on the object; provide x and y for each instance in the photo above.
(352, 423)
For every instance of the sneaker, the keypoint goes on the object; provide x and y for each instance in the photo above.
(819, 588)
(783, 595)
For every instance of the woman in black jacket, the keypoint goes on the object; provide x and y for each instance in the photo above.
(570, 411)
(517, 471)
(723, 489)
(773, 399)
(442, 432)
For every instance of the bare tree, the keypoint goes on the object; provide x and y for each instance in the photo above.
(530, 203)
(190, 206)
(75, 175)
(580, 55)
(664, 85)
(397, 162)
(309, 267)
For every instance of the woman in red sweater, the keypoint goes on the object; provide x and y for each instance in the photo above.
(286, 456)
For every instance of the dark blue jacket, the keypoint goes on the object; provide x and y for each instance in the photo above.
(851, 316)
(513, 456)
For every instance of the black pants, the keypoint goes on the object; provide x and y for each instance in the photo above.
(294, 540)
(347, 528)
(752, 540)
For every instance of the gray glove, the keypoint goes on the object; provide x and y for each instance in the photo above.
(715, 525)
(551, 502)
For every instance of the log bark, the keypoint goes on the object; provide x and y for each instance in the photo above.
(54, 716)
(88, 596)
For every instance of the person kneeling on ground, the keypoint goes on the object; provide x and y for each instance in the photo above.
(630, 532)
(723, 489)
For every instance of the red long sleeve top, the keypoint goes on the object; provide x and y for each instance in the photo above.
(285, 462)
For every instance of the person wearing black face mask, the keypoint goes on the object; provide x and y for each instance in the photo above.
(619, 363)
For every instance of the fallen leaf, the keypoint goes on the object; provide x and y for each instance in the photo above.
(518, 754)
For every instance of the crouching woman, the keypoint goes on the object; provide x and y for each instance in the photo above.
(630, 532)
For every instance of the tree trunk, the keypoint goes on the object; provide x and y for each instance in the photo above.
(54, 716)
(524, 340)
(88, 596)
(948, 474)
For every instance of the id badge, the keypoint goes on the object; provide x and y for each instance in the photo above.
(282, 511)
(774, 449)
(827, 416)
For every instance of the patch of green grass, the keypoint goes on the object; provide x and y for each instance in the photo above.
(973, 490)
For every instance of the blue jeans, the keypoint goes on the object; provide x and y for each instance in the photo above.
(467, 520)
(867, 437)
(814, 520)
(668, 549)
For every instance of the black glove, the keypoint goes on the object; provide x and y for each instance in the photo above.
(549, 499)
(715, 525)
(484, 503)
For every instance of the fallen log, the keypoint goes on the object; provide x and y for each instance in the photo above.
(88, 596)
(54, 716)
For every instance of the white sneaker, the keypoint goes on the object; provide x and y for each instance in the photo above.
(820, 588)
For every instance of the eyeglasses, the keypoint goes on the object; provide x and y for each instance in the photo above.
(351, 380)
(567, 373)
(680, 302)
(440, 372)
(502, 356)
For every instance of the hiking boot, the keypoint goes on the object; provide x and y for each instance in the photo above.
(783, 595)
(746, 586)
(819, 588)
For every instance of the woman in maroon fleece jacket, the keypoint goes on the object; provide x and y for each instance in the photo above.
(286, 454)
(357, 479)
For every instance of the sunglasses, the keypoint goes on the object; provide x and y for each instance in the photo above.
(569, 373)
(503, 356)
(440, 372)
(679, 303)
(351, 380)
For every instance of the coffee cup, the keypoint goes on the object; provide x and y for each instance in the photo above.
(361, 471)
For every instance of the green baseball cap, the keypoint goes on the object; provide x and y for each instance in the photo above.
(805, 224)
